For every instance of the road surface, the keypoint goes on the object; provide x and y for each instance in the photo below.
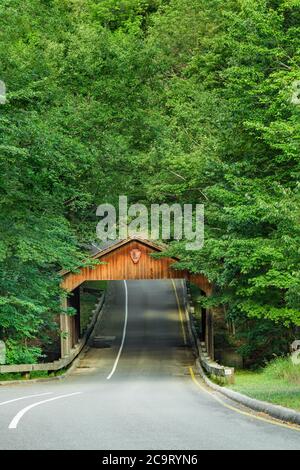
(136, 394)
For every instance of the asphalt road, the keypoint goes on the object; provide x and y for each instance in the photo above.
(135, 394)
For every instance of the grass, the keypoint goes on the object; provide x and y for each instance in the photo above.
(37, 374)
(277, 383)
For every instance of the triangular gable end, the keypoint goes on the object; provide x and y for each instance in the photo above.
(126, 259)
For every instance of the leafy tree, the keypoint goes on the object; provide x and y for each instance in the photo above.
(73, 133)
(236, 149)
(180, 100)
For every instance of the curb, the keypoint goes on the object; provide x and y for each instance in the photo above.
(275, 411)
(281, 413)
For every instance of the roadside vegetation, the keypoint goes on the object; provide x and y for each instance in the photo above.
(31, 375)
(278, 383)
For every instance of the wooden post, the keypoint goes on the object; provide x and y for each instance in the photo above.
(207, 331)
(66, 331)
(203, 324)
(77, 317)
(209, 334)
(70, 325)
(74, 302)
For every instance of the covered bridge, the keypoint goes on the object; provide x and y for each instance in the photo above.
(123, 260)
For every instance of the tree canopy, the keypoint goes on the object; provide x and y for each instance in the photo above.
(184, 101)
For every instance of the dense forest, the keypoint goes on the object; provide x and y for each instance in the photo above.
(190, 101)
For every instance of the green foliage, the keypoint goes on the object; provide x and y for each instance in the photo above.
(234, 146)
(21, 354)
(259, 341)
(277, 383)
(283, 368)
(72, 134)
(123, 13)
(181, 100)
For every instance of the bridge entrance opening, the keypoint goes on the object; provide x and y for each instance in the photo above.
(130, 260)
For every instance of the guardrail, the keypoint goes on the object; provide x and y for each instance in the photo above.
(216, 371)
(64, 361)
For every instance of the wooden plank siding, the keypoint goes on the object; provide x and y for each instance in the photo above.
(117, 264)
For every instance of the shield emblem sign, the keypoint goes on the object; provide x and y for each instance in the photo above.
(135, 255)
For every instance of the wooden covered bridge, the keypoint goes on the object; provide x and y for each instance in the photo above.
(124, 260)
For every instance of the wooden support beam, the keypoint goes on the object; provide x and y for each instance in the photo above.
(65, 329)
(209, 333)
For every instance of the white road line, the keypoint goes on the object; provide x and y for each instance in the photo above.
(15, 421)
(23, 398)
(124, 334)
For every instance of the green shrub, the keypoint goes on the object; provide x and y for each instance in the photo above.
(20, 354)
(283, 368)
